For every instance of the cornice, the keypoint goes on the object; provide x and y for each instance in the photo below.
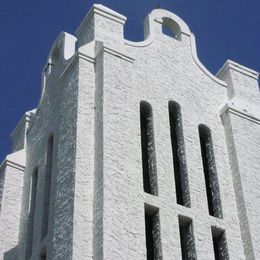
(103, 11)
(249, 113)
(229, 64)
(116, 52)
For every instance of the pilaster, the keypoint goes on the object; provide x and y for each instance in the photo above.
(11, 176)
(241, 119)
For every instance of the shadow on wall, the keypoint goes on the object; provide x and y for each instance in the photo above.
(11, 254)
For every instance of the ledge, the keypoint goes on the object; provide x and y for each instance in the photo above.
(88, 55)
(103, 11)
(242, 109)
(105, 48)
(229, 64)
(15, 160)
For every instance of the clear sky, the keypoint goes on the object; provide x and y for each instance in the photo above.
(224, 29)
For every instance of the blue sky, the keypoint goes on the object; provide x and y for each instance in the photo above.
(224, 29)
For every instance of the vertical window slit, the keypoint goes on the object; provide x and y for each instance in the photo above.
(152, 234)
(33, 192)
(219, 244)
(148, 149)
(188, 249)
(43, 255)
(210, 172)
(178, 153)
(47, 187)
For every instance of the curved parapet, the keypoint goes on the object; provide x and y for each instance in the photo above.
(102, 24)
(164, 17)
(153, 25)
(64, 46)
(200, 65)
(62, 50)
(161, 17)
(18, 135)
(104, 141)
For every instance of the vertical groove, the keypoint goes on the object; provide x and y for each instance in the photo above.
(149, 236)
(153, 235)
(33, 192)
(47, 188)
(148, 149)
(98, 205)
(188, 249)
(237, 184)
(179, 156)
(43, 255)
(2, 182)
(219, 244)
(210, 172)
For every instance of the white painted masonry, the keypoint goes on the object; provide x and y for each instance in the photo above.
(92, 86)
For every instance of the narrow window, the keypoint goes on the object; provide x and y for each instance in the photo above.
(179, 157)
(188, 250)
(43, 255)
(210, 172)
(47, 187)
(33, 192)
(219, 244)
(152, 234)
(148, 149)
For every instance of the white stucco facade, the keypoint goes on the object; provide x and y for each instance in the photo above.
(89, 177)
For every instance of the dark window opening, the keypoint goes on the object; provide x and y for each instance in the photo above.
(149, 236)
(43, 255)
(188, 249)
(179, 157)
(210, 172)
(34, 181)
(171, 28)
(148, 149)
(152, 234)
(47, 187)
(220, 244)
(167, 31)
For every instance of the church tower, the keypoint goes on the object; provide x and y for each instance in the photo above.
(135, 151)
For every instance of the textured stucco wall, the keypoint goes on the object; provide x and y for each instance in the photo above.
(84, 166)
(2, 182)
(65, 177)
(241, 118)
(55, 115)
(90, 103)
(241, 83)
(247, 141)
(243, 141)
(156, 78)
(10, 209)
(162, 71)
